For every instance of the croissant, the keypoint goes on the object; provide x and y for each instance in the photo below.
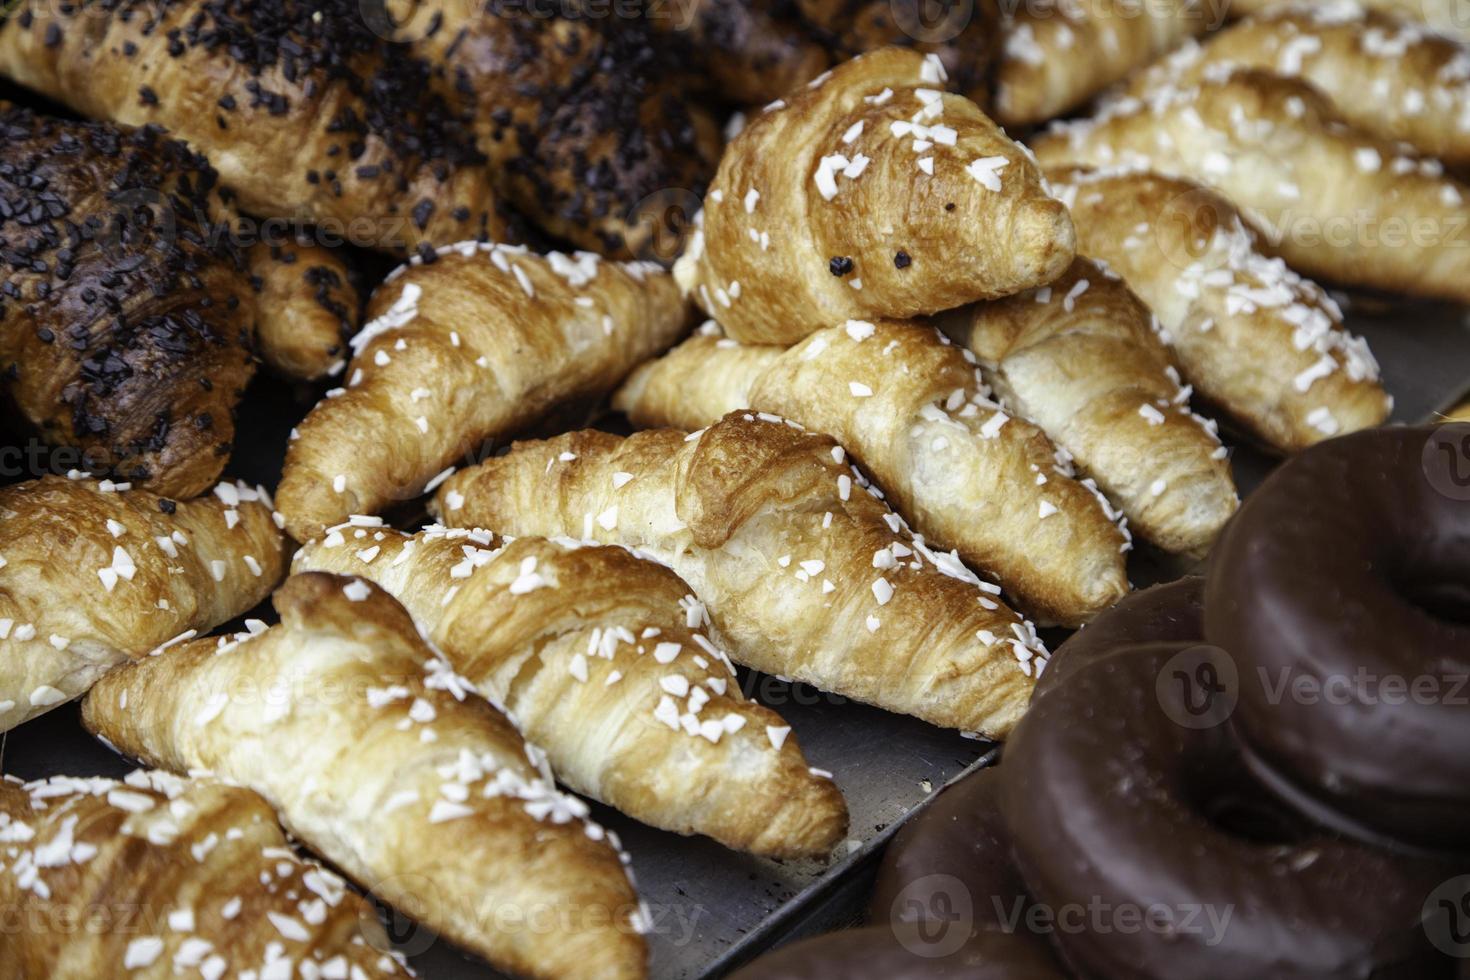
(1393, 78)
(471, 347)
(1083, 360)
(308, 304)
(805, 573)
(914, 413)
(590, 652)
(869, 193)
(125, 327)
(581, 117)
(1444, 16)
(1338, 204)
(1058, 54)
(172, 876)
(752, 51)
(92, 573)
(308, 114)
(1255, 340)
(379, 757)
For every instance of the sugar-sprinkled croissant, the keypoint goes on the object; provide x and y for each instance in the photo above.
(869, 193)
(805, 572)
(1254, 339)
(915, 414)
(1337, 203)
(175, 877)
(603, 659)
(305, 110)
(388, 764)
(125, 322)
(1444, 16)
(308, 306)
(473, 346)
(1082, 358)
(93, 573)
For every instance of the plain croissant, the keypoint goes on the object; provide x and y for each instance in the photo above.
(869, 193)
(1337, 203)
(470, 347)
(805, 573)
(175, 877)
(384, 761)
(592, 652)
(1256, 341)
(914, 412)
(94, 573)
(1082, 358)
(308, 307)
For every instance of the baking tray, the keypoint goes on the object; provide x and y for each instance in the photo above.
(715, 909)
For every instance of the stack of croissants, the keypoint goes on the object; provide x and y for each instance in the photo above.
(941, 382)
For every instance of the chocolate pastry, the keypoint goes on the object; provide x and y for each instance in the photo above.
(751, 51)
(1342, 590)
(1172, 612)
(1135, 820)
(125, 315)
(906, 952)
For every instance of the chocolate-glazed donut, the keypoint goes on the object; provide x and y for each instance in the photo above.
(1134, 820)
(1342, 591)
(1168, 613)
(876, 953)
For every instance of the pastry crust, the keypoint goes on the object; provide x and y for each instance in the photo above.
(1337, 204)
(304, 110)
(914, 412)
(869, 193)
(1058, 54)
(752, 51)
(1396, 79)
(471, 347)
(1444, 16)
(171, 876)
(1082, 359)
(308, 304)
(805, 573)
(125, 315)
(92, 574)
(1257, 341)
(325, 716)
(591, 653)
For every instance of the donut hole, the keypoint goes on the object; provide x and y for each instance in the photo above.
(1224, 793)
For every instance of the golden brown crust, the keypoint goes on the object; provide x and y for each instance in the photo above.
(1256, 341)
(914, 412)
(125, 327)
(805, 573)
(591, 653)
(169, 875)
(1444, 16)
(325, 716)
(92, 574)
(308, 308)
(471, 347)
(304, 110)
(825, 207)
(752, 51)
(1058, 54)
(1337, 203)
(1082, 359)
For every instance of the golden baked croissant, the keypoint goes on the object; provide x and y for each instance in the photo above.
(1058, 54)
(306, 112)
(1255, 340)
(591, 653)
(580, 116)
(381, 759)
(805, 572)
(752, 51)
(308, 307)
(869, 193)
(1082, 359)
(1445, 16)
(94, 573)
(1396, 79)
(471, 347)
(125, 325)
(1337, 203)
(172, 877)
(913, 411)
